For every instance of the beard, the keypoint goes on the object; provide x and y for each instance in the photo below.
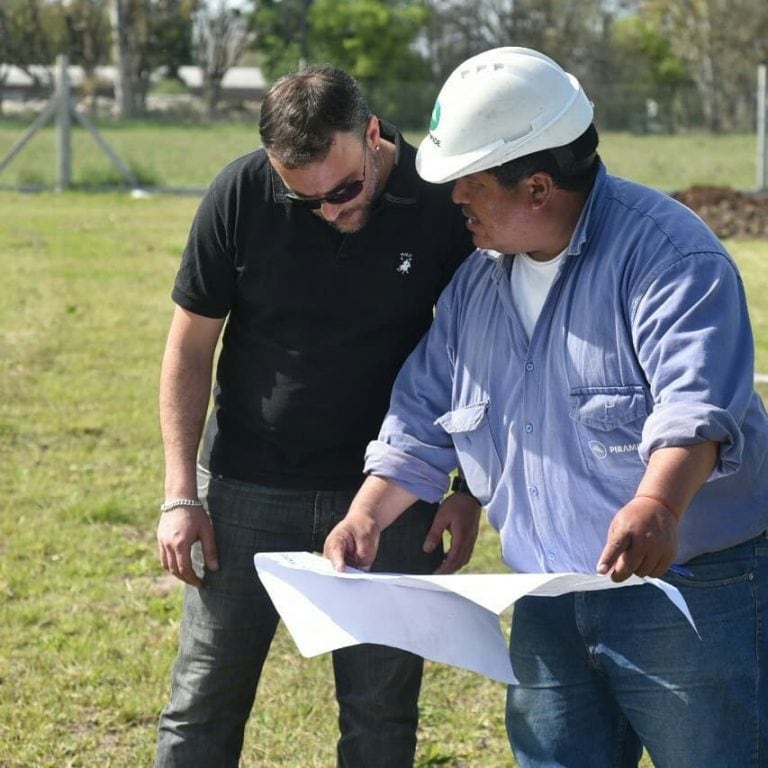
(350, 221)
(353, 219)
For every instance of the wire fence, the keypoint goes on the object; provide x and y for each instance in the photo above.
(619, 106)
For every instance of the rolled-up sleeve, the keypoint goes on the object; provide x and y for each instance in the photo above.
(694, 341)
(418, 477)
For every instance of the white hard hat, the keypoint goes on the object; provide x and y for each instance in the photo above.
(497, 106)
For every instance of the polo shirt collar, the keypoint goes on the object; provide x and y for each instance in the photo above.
(403, 183)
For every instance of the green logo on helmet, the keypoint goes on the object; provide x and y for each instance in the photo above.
(435, 117)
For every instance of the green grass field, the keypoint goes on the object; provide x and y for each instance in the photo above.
(88, 620)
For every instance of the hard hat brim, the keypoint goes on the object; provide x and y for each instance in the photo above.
(436, 167)
(500, 106)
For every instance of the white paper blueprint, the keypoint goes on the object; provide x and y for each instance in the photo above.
(452, 619)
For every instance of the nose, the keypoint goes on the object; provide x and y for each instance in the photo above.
(459, 192)
(330, 211)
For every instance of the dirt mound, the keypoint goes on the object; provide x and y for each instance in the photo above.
(728, 212)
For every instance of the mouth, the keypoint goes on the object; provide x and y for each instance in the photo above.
(469, 217)
(347, 216)
(348, 221)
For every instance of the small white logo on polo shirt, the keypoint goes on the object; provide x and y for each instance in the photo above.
(405, 263)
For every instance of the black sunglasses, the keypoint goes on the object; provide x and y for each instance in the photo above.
(340, 196)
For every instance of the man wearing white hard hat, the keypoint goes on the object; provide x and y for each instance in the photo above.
(591, 369)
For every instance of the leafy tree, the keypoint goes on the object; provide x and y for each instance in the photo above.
(571, 31)
(281, 30)
(721, 45)
(171, 25)
(448, 38)
(369, 38)
(28, 40)
(220, 38)
(654, 78)
(87, 38)
(376, 41)
(147, 34)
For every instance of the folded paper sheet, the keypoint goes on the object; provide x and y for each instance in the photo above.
(452, 619)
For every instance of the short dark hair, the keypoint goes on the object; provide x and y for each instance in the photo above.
(303, 110)
(572, 166)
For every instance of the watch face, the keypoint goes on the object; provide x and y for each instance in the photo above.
(459, 485)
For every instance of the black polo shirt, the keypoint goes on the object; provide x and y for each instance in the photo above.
(318, 322)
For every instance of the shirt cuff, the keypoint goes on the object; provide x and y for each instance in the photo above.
(679, 423)
(415, 475)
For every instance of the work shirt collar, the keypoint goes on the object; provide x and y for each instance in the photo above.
(585, 226)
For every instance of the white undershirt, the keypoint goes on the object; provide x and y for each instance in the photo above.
(530, 281)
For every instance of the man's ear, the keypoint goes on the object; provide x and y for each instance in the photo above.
(372, 132)
(540, 188)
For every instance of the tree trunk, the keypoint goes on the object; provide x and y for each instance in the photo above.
(125, 96)
(211, 94)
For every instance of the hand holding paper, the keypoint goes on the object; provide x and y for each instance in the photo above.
(355, 540)
(452, 619)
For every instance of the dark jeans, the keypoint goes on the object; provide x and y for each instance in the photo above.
(228, 626)
(603, 674)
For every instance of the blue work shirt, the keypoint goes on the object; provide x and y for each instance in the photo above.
(643, 342)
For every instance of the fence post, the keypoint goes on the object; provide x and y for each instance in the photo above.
(61, 110)
(762, 130)
(63, 124)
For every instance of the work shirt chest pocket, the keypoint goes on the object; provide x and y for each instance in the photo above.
(478, 456)
(609, 423)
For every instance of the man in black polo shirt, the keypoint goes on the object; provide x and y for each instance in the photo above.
(321, 257)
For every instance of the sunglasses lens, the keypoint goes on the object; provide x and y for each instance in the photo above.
(341, 196)
(346, 194)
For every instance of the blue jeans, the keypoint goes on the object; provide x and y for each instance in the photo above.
(228, 625)
(603, 674)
